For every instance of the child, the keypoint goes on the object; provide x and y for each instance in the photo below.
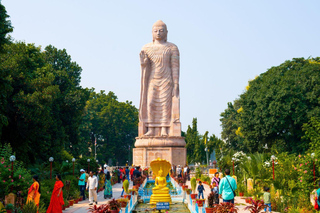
(267, 199)
(200, 190)
(216, 193)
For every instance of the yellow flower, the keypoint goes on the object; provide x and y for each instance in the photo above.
(311, 61)
(240, 110)
(238, 132)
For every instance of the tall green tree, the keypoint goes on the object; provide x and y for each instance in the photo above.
(277, 104)
(5, 28)
(113, 124)
(231, 133)
(195, 144)
(312, 133)
(44, 110)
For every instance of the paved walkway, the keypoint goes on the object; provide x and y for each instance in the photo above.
(239, 201)
(83, 206)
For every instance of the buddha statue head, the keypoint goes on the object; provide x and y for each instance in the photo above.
(160, 172)
(159, 31)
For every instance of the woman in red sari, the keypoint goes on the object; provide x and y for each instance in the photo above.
(56, 201)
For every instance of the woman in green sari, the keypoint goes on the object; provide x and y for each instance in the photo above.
(108, 186)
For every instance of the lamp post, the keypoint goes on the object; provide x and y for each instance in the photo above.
(314, 169)
(273, 158)
(233, 159)
(12, 159)
(51, 159)
(88, 165)
(206, 150)
(129, 155)
(95, 148)
(73, 160)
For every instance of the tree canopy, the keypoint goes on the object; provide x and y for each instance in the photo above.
(274, 108)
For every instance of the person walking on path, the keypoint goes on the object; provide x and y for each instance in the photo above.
(34, 191)
(108, 186)
(215, 183)
(136, 174)
(227, 187)
(92, 185)
(179, 171)
(131, 173)
(82, 183)
(200, 190)
(267, 199)
(127, 173)
(56, 201)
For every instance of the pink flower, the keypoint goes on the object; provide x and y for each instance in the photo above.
(306, 163)
(300, 164)
(4, 181)
(5, 166)
(305, 171)
(19, 176)
(299, 156)
(300, 180)
(316, 159)
(9, 169)
(11, 180)
(295, 168)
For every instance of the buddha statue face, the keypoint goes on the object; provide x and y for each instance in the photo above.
(160, 173)
(159, 31)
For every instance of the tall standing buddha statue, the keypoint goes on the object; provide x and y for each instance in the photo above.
(159, 111)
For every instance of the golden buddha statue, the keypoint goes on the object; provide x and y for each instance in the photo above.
(160, 193)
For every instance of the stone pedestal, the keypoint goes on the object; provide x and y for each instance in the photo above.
(171, 149)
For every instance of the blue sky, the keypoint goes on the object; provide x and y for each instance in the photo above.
(223, 44)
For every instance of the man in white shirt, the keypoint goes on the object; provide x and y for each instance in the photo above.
(92, 185)
(185, 169)
(179, 171)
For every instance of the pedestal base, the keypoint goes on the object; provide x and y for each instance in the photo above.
(155, 198)
(142, 156)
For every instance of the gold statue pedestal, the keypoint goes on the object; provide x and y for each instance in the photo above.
(160, 193)
(155, 198)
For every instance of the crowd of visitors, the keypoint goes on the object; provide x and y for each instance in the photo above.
(178, 171)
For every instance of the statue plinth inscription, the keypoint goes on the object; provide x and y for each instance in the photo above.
(159, 111)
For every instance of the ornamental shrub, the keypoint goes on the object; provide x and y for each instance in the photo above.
(21, 179)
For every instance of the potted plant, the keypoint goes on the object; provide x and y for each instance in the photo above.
(114, 206)
(133, 191)
(98, 209)
(125, 186)
(71, 201)
(256, 207)
(200, 202)
(211, 198)
(9, 208)
(225, 208)
(123, 202)
(66, 203)
(193, 182)
(188, 191)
